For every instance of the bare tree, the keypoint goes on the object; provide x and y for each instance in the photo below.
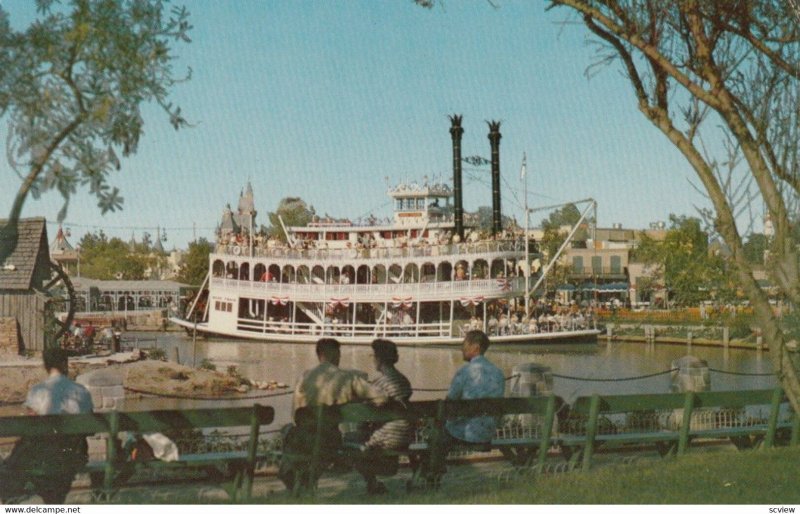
(728, 70)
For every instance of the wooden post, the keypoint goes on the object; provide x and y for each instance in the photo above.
(688, 407)
(795, 431)
(111, 454)
(774, 410)
(176, 355)
(591, 432)
(544, 444)
(252, 447)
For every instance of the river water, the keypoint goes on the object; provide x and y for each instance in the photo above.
(430, 369)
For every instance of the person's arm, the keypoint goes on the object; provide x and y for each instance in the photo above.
(364, 390)
(457, 385)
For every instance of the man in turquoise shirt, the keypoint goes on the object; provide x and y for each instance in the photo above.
(479, 378)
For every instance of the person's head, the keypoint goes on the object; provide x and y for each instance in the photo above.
(476, 342)
(328, 350)
(385, 352)
(55, 358)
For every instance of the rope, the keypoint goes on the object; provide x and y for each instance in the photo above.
(740, 373)
(586, 379)
(214, 398)
(512, 377)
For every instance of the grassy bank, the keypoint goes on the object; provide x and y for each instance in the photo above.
(752, 477)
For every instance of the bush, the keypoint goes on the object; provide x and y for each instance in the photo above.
(157, 354)
(207, 364)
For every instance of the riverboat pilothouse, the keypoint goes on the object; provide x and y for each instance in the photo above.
(422, 277)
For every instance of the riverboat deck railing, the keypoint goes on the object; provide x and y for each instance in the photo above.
(345, 254)
(465, 290)
(443, 329)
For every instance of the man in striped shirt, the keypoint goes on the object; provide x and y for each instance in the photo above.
(392, 435)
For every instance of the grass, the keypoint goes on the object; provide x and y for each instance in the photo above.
(751, 477)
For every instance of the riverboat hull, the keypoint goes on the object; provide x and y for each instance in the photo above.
(560, 337)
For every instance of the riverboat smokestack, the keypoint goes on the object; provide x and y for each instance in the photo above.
(494, 140)
(458, 206)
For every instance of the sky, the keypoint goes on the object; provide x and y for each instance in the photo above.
(326, 100)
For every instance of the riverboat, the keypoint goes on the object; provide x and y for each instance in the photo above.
(410, 281)
(419, 278)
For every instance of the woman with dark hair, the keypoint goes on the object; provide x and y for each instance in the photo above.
(392, 435)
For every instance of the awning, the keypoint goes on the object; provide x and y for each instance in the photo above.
(613, 287)
(566, 287)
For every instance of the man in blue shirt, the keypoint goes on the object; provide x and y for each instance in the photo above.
(479, 378)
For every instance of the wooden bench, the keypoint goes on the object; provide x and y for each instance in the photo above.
(232, 470)
(671, 421)
(433, 415)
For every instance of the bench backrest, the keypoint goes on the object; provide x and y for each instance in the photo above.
(144, 421)
(613, 404)
(440, 409)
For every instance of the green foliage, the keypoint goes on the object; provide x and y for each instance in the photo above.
(683, 263)
(194, 267)
(294, 212)
(71, 89)
(157, 354)
(207, 364)
(108, 259)
(754, 248)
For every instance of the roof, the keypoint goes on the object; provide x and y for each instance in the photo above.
(83, 284)
(60, 243)
(17, 271)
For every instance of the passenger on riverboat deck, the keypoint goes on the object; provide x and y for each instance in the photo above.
(55, 458)
(325, 384)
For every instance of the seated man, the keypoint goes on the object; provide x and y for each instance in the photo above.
(479, 378)
(55, 458)
(326, 384)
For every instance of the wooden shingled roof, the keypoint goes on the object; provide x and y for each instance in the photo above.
(31, 249)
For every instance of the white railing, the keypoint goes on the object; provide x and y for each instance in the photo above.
(426, 291)
(437, 329)
(345, 254)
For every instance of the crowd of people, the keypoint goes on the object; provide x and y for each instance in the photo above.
(366, 245)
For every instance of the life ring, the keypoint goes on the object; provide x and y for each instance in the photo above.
(237, 250)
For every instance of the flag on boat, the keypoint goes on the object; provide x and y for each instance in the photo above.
(279, 300)
(523, 171)
(404, 302)
(503, 284)
(467, 301)
(340, 302)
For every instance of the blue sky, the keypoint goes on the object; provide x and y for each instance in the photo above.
(323, 100)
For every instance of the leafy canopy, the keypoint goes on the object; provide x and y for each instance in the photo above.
(72, 88)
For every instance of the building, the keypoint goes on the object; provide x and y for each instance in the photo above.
(63, 253)
(121, 296)
(23, 297)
